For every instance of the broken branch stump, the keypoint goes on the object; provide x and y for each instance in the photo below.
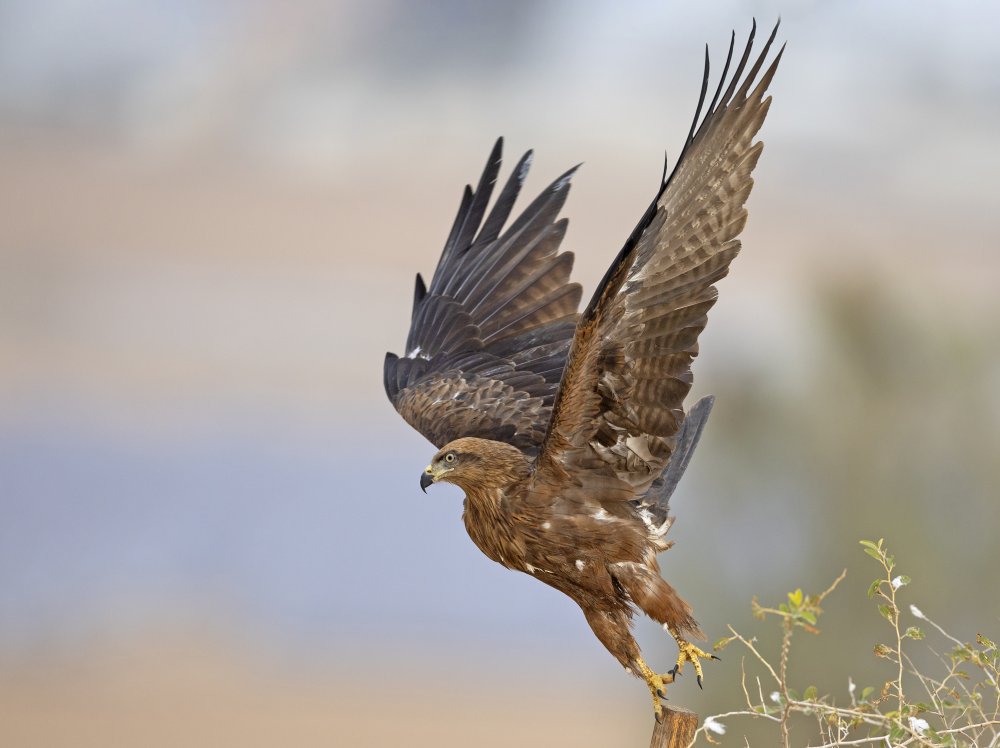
(676, 730)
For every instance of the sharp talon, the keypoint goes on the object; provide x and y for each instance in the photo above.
(699, 683)
(657, 687)
(716, 658)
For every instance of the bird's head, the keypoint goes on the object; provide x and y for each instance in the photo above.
(472, 463)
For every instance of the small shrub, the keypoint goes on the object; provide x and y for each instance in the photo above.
(956, 705)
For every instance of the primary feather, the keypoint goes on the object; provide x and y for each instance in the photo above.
(489, 337)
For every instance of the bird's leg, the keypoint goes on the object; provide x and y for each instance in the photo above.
(688, 653)
(657, 685)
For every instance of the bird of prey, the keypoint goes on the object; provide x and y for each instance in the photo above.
(567, 430)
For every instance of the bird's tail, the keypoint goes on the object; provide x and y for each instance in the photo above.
(687, 440)
(654, 507)
(663, 488)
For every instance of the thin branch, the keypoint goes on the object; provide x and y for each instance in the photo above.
(976, 726)
(858, 741)
(746, 643)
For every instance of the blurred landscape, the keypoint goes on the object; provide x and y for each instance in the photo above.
(211, 216)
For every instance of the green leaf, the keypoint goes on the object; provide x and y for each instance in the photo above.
(874, 588)
(810, 693)
(722, 643)
(866, 692)
(808, 615)
(795, 598)
(914, 633)
(874, 554)
(886, 611)
(904, 580)
(868, 544)
(982, 640)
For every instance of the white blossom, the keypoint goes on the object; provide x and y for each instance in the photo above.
(775, 697)
(897, 583)
(918, 725)
(917, 612)
(850, 686)
(712, 726)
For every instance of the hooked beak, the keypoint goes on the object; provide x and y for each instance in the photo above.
(426, 479)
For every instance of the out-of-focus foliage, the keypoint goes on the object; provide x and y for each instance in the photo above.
(953, 702)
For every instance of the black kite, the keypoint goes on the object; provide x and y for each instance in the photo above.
(567, 430)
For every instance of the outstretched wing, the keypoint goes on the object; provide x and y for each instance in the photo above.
(489, 338)
(615, 422)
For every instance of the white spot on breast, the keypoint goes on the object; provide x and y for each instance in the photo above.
(580, 564)
(546, 525)
(601, 515)
(530, 568)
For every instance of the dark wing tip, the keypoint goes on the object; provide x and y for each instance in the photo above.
(724, 94)
(563, 181)
(701, 97)
(389, 375)
(419, 292)
(496, 154)
(702, 408)
(687, 440)
(700, 123)
(524, 165)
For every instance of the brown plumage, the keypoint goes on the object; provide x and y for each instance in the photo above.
(567, 430)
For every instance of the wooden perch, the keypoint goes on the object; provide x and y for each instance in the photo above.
(676, 730)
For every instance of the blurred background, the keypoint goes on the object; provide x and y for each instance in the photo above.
(210, 217)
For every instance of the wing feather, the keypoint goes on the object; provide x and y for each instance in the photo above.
(489, 335)
(629, 368)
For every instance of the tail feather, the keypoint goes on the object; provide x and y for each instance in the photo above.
(687, 440)
(654, 508)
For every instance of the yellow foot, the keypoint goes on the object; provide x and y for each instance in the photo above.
(657, 686)
(689, 653)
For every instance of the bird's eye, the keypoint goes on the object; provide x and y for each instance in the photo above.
(450, 457)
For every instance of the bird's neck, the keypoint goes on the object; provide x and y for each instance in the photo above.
(491, 527)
